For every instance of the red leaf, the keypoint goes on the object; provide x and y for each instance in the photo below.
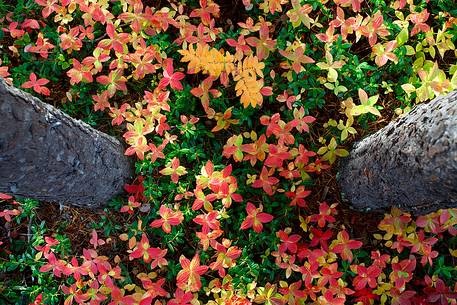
(255, 218)
(188, 279)
(5, 196)
(95, 241)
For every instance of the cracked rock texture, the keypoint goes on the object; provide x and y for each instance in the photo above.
(47, 155)
(411, 163)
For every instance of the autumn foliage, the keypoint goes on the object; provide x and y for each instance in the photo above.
(235, 113)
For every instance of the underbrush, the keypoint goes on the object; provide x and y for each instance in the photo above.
(236, 113)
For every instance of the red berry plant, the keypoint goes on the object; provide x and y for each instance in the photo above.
(235, 113)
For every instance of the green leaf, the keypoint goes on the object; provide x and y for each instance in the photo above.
(402, 37)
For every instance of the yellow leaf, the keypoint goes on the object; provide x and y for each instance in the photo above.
(377, 236)
(208, 60)
(453, 252)
(129, 287)
(408, 88)
(341, 152)
(332, 75)
(38, 256)
(410, 50)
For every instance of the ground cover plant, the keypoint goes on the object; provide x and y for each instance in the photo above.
(236, 113)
